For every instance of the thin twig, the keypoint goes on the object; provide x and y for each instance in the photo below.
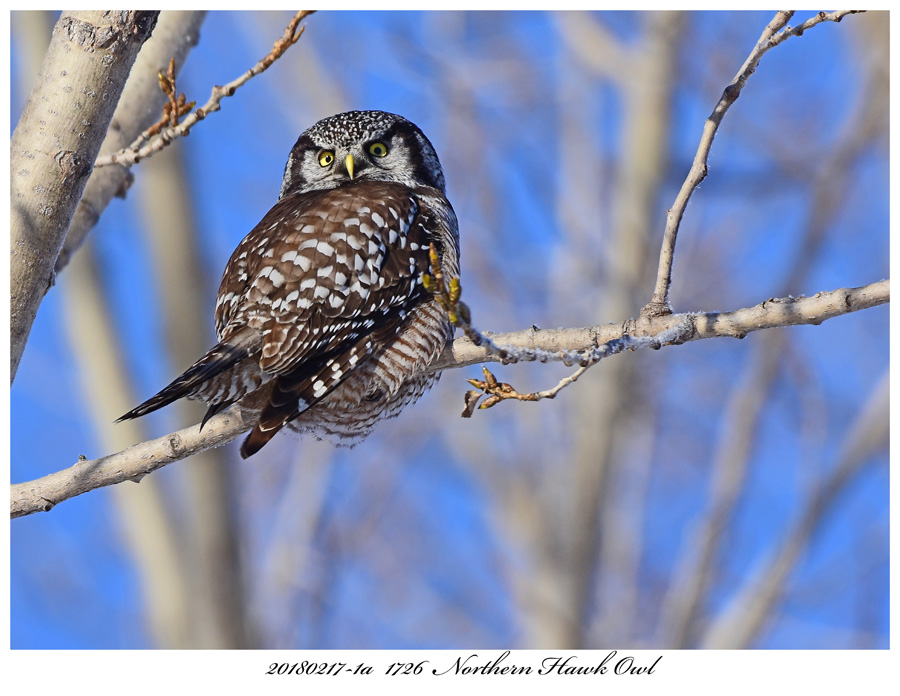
(499, 391)
(690, 586)
(137, 150)
(448, 295)
(774, 34)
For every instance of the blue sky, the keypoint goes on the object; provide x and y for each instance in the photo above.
(492, 92)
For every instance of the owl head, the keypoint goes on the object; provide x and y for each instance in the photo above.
(360, 145)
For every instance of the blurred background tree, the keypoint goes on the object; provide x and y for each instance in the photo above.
(718, 494)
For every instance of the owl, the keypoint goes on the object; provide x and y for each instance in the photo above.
(322, 319)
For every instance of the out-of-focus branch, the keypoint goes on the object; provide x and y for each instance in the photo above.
(137, 461)
(218, 616)
(591, 536)
(145, 523)
(739, 624)
(597, 46)
(32, 30)
(175, 34)
(687, 593)
(55, 144)
(138, 150)
(774, 34)
(730, 464)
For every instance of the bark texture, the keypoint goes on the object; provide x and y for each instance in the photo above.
(56, 142)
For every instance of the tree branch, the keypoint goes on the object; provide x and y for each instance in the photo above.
(774, 34)
(691, 583)
(771, 313)
(130, 464)
(740, 623)
(175, 34)
(153, 536)
(134, 463)
(55, 144)
(138, 150)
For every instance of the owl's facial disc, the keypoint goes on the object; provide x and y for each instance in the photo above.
(361, 145)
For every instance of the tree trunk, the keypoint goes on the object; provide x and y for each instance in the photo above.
(56, 142)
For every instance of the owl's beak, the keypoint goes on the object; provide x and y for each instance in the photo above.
(349, 163)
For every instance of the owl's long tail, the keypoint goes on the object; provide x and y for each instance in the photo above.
(217, 360)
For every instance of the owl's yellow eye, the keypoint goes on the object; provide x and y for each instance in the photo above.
(378, 149)
(326, 158)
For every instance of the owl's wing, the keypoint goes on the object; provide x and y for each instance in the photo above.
(323, 268)
(326, 278)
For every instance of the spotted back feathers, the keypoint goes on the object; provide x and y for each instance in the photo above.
(322, 318)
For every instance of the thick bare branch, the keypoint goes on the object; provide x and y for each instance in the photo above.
(131, 464)
(176, 33)
(135, 462)
(55, 144)
(774, 34)
(771, 313)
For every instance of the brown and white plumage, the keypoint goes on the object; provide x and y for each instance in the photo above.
(322, 319)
